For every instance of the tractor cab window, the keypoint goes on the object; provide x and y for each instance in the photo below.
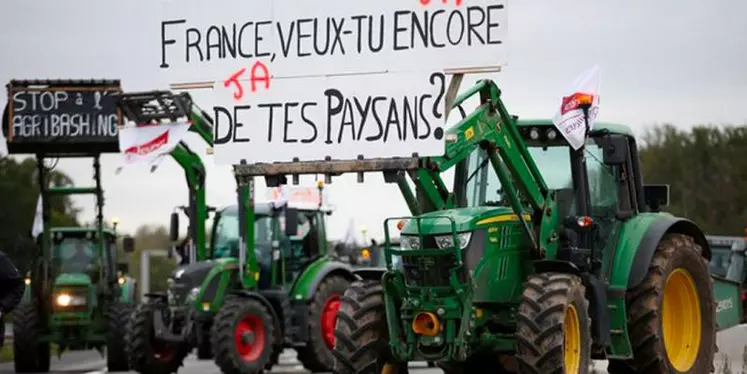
(227, 235)
(74, 255)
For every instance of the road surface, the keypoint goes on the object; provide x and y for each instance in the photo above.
(731, 343)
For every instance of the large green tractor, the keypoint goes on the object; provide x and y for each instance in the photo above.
(538, 260)
(77, 295)
(283, 275)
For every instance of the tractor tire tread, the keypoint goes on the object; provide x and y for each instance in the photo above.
(316, 356)
(117, 317)
(26, 331)
(361, 332)
(540, 322)
(139, 346)
(649, 354)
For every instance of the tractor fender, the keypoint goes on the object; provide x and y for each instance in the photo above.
(638, 241)
(307, 283)
(374, 274)
(257, 296)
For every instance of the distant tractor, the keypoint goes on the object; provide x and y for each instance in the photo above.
(77, 295)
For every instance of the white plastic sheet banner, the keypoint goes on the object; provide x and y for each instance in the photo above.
(570, 117)
(150, 142)
(3, 146)
(38, 226)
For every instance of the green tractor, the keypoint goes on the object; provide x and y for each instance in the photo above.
(278, 281)
(77, 296)
(540, 259)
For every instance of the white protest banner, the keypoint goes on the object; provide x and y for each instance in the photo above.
(147, 143)
(294, 38)
(570, 117)
(307, 196)
(376, 115)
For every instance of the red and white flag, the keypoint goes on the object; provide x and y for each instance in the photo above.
(570, 117)
(148, 143)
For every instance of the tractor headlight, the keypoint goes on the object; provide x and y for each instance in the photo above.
(192, 296)
(409, 242)
(447, 241)
(64, 299)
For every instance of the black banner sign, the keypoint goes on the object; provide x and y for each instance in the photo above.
(62, 117)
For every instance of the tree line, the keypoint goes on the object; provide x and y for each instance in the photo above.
(702, 166)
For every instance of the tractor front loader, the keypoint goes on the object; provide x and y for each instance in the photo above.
(540, 259)
(77, 296)
(293, 290)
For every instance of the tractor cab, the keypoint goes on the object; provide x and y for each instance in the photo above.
(299, 250)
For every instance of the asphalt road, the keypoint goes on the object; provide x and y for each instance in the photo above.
(731, 344)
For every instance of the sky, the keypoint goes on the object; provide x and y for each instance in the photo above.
(667, 61)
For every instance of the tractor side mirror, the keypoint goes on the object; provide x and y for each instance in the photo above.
(174, 227)
(615, 149)
(656, 195)
(123, 267)
(291, 221)
(128, 244)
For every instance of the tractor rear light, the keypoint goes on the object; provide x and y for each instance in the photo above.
(584, 222)
(426, 323)
(400, 224)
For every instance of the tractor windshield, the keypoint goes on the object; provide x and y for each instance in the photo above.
(74, 255)
(554, 163)
(227, 234)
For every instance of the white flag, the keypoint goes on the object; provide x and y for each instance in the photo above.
(38, 226)
(147, 143)
(570, 117)
(3, 145)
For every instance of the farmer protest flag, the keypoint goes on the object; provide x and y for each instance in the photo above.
(38, 226)
(146, 143)
(570, 118)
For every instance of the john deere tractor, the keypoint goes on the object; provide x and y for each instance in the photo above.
(538, 259)
(77, 296)
(274, 286)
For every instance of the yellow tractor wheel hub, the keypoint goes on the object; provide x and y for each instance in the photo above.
(681, 320)
(572, 341)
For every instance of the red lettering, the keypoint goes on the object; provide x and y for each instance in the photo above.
(234, 79)
(428, 2)
(255, 76)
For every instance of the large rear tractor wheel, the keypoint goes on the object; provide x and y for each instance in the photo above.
(671, 313)
(146, 354)
(317, 355)
(242, 336)
(29, 355)
(553, 325)
(361, 334)
(116, 352)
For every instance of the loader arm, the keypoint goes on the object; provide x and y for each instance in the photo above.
(489, 127)
(195, 174)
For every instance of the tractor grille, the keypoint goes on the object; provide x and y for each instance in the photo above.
(429, 271)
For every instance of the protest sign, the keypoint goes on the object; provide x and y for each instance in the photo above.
(387, 115)
(148, 143)
(292, 38)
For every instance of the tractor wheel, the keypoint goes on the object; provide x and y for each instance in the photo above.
(242, 336)
(116, 353)
(30, 355)
(671, 313)
(316, 356)
(361, 334)
(146, 354)
(553, 325)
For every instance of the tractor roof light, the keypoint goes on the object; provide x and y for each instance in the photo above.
(552, 134)
(585, 99)
(534, 133)
(400, 224)
(366, 253)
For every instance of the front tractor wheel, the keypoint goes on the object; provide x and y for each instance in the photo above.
(317, 355)
(146, 354)
(361, 334)
(242, 336)
(30, 355)
(117, 317)
(553, 325)
(671, 314)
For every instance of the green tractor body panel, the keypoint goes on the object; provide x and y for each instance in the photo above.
(73, 280)
(729, 307)
(306, 283)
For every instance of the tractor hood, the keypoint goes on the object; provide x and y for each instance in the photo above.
(72, 279)
(465, 219)
(192, 275)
